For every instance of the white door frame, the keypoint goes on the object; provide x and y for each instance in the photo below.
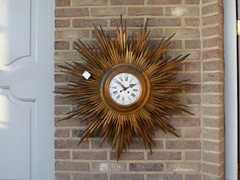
(231, 89)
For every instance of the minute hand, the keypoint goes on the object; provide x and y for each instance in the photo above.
(124, 88)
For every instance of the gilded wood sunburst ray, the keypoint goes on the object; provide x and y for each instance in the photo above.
(125, 57)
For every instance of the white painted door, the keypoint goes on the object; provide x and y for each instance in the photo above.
(26, 90)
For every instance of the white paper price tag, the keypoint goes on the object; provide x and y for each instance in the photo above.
(86, 74)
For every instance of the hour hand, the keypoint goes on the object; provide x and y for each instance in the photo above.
(132, 85)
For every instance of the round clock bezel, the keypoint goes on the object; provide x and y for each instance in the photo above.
(144, 85)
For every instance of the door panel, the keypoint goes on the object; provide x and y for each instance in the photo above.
(15, 27)
(15, 137)
(26, 89)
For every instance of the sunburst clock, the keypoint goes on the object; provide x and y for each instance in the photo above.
(126, 87)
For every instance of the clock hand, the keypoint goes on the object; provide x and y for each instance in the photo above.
(132, 85)
(124, 88)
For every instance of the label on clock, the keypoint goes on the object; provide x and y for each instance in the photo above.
(125, 89)
(86, 74)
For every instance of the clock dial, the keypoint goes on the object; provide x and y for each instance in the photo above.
(125, 89)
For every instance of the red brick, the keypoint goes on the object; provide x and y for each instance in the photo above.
(62, 23)
(126, 2)
(127, 177)
(210, 20)
(62, 2)
(210, 177)
(71, 144)
(109, 32)
(181, 11)
(89, 22)
(164, 2)
(185, 122)
(62, 133)
(192, 2)
(192, 66)
(77, 132)
(62, 155)
(213, 157)
(61, 45)
(208, 1)
(71, 12)
(62, 176)
(182, 166)
(183, 33)
(155, 22)
(89, 2)
(166, 135)
(209, 31)
(67, 123)
(164, 176)
(195, 110)
(97, 144)
(194, 54)
(192, 44)
(192, 155)
(213, 99)
(212, 169)
(133, 22)
(213, 122)
(70, 55)
(192, 133)
(212, 42)
(146, 166)
(193, 77)
(181, 144)
(155, 33)
(192, 21)
(193, 177)
(213, 111)
(213, 146)
(70, 34)
(137, 144)
(145, 11)
(90, 155)
(164, 156)
(175, 44)
(108, 11)
(212, 65)
(212, 88)
(62, 78)
(213, 77)
(214, 134)
(128, 156)
(60, 100)
(61, 110)
(192, 99)
(89, 176)
(158, 144)
(108, 167)
(212, 8)
(195, 89)
(72, 166)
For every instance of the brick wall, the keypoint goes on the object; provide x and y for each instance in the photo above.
(199, 152)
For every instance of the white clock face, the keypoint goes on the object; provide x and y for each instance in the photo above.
(125, 89)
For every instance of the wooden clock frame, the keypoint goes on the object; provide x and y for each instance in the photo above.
(145, 88)
(136, 55)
